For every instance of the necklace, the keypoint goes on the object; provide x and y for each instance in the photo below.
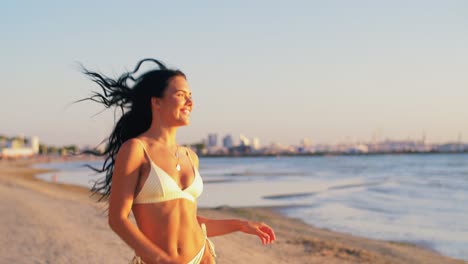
(176, 155)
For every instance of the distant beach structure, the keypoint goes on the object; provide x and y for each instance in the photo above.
(19, 147)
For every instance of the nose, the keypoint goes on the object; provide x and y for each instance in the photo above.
(189, 100)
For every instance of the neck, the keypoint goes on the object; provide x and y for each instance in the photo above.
(165, 135)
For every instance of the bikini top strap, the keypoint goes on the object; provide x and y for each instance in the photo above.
(148, 157)
(190, 158)
(141, 143)
(144, 148)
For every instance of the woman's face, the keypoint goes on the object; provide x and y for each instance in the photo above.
(176, 105)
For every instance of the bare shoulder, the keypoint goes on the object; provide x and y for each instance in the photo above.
(130, 153)
(131, 145)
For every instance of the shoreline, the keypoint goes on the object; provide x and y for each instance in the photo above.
(297, 242)
(331, 154)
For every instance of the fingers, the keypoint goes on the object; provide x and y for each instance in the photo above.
(267, 229)
(263, 236)
(262, 230)
(266, 234)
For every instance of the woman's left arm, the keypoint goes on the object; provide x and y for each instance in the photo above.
(217, 227)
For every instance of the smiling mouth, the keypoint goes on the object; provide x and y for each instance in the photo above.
(186, 111)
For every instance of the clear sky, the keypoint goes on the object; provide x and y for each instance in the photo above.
(329, 71)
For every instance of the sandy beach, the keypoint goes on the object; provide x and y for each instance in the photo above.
(45, 222)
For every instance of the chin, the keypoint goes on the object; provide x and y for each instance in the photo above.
(183, 123)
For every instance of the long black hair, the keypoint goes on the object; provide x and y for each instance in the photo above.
(132, 95)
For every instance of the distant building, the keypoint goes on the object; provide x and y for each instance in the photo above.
(16, 143)
(3, 143)
(16, 148)
(244, 141)
(212, 140)
(450, 147)
(255, 143)
(228, 142)
(34, 144)
(274, 148)
(305, 146)
(357, 149)
(305, 142)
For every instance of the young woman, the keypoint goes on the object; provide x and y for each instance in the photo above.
(148, 173)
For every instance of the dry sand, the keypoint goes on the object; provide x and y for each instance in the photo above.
(44, 222)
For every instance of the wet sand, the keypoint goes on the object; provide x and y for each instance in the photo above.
(44, 222)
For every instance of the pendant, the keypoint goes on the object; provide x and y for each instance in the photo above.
(178, 167)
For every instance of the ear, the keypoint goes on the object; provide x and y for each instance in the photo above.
(156, 102)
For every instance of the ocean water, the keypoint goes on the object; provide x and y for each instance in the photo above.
(413, 198)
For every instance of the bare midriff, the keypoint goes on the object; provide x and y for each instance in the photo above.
(173, 226)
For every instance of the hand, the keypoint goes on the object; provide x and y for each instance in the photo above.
(262, 230)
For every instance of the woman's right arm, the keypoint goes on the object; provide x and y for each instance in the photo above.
(124, 182)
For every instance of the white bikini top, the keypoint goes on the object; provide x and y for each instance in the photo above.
(160, 186)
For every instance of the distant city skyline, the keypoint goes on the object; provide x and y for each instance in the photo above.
(235, 140)
(216, 139)
(22, 147)
(329, 71)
